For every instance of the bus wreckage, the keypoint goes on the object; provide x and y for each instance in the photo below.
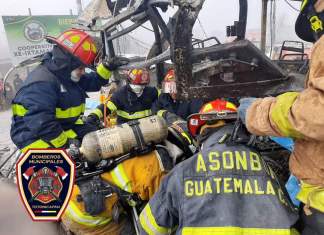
(232, 69)
(219, 70)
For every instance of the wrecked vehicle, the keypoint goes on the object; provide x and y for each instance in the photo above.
(229, 70)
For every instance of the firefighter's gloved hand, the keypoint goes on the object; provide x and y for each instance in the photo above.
(93, 120)
(72, 147)
(72, 142)
(114, 63)
(245, 103)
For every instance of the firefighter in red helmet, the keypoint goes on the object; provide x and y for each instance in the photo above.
(132, 101)
(168, 99)
(221, 189)
(47, 108)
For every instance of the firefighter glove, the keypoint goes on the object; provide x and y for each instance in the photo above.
(93, 120)
(113, 63)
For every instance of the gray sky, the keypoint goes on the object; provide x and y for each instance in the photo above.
(215, 16)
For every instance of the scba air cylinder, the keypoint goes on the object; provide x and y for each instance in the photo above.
(121, 139)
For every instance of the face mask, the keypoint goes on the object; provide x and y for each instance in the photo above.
(87, 70)
(74, 76)
(169, 87)
(137, 89)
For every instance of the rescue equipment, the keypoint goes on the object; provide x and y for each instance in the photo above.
(178, 133)
(121, 139)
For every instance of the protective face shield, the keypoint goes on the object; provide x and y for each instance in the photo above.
(77, 73)
(137, 89)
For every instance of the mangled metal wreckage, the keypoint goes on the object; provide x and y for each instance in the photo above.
(234, 69)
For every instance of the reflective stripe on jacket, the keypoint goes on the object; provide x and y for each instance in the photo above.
(298, 115)
(128, 106)
(181, 108)
(141, 175)
(223, 190)
(47, 109)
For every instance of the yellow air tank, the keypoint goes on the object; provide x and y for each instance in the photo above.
(119, 140)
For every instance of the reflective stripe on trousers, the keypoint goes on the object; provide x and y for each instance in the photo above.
(120, 178)
(75, 214)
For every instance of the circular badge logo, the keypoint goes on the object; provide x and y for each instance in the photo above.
(34, 31)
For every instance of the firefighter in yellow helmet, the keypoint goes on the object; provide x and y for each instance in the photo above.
(225, 188)
(47, 108)
(132, 101)
(299, 115)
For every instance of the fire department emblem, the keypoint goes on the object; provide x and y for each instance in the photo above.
(45, 179)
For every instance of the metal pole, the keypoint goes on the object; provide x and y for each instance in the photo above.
(264, 25)
(79, 6)
(29, 11)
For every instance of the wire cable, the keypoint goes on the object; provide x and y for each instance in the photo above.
(139, 42)
(202, 27)
(144, 27)
(291, 6)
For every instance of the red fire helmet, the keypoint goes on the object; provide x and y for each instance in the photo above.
(78, 43)
(212, 111)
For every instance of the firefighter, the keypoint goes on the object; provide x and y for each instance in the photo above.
(225, 188)
(47, 108)
(300, 115)
(95, 210)
(168, 99)
(132, 101)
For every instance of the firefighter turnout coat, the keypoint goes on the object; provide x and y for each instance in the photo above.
(47, 108)
(127, 105)
(223, 190)
(140, 175)
(179, 107)
(299, 115)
